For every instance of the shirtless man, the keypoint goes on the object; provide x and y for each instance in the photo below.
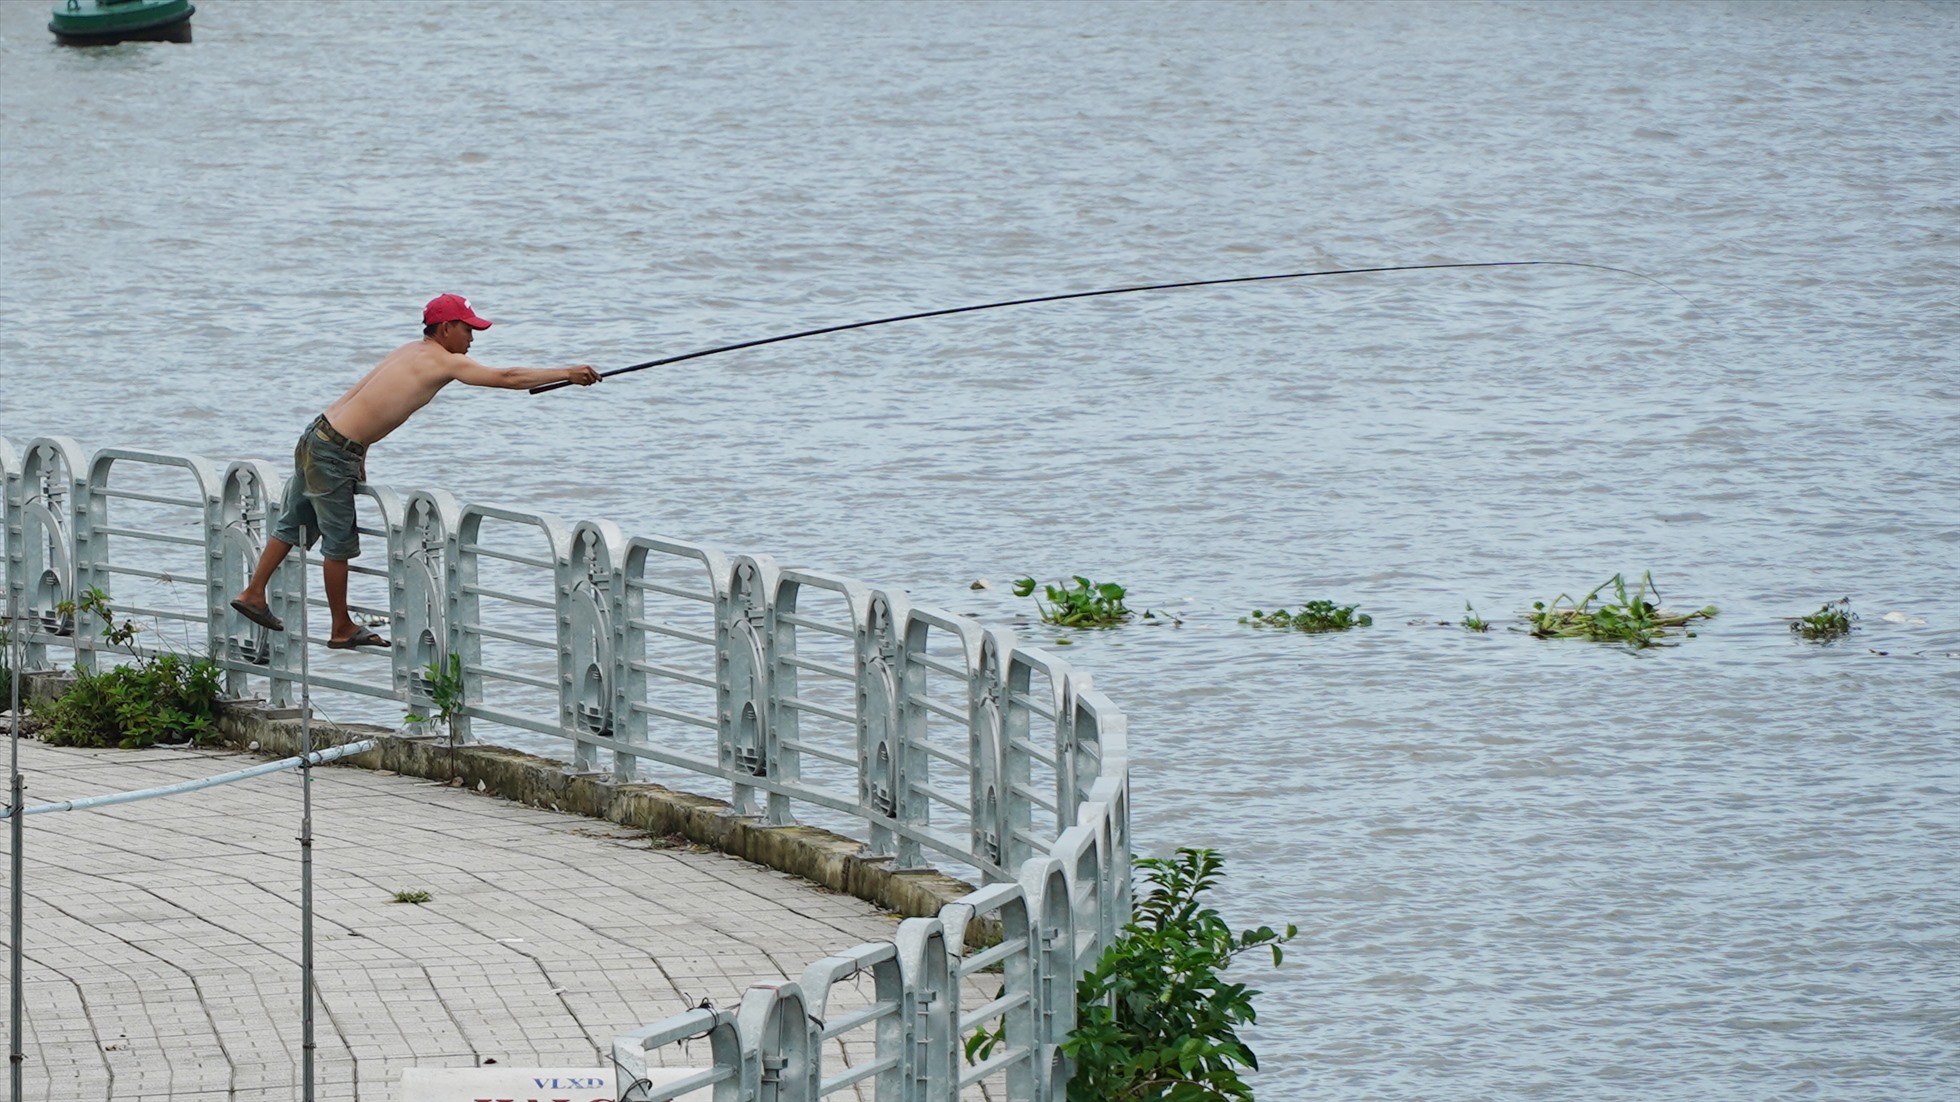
(332, 453)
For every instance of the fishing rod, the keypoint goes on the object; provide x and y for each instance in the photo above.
(1123, 291)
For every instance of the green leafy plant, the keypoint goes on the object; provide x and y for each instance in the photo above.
(445, 690)
(1471, 621)
(1154, 1018)
(1085, 604)
(1313, 616)
(412, 896)
(1828, 624)
(165, 698)
(1631, 619)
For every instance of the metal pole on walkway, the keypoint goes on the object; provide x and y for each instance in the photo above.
(305, 839)
(16, 799)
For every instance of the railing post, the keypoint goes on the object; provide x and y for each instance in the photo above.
(588, 589)
(460, 578)
(744, 639)
(418, 566)
(886, 733)
(91, 538)
(780, 1060)
(244, 519)
(1073, 774)
(49, 487)
(999, 773)
(931, 1010)
(1052, 931)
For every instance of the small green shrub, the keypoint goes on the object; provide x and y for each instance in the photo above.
(167, 698)
(445, 690)
(1828, 624)
(1631, 619)
(1313, 616)
(412, 896)
(1085, 604)
(1154, 1019)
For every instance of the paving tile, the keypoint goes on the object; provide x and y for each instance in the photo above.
(162, 937)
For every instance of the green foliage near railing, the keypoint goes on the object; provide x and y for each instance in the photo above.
(445, 690)
(1828, 624)
(1631, 619)
(166, 698)
(1315, 616)
(1085, 604)
(1155, 1022)
(1154, 1018)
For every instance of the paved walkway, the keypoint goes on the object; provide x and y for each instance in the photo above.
(162, 937)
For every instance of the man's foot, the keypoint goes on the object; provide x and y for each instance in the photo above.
(259, 614)
(362, 637)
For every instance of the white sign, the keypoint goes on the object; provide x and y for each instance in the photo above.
(527, 1084)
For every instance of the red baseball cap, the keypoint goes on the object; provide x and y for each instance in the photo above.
(444, 308)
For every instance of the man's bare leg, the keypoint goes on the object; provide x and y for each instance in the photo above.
(334, 572)
(269, 560)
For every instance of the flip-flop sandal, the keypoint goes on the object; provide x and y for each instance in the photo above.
(361, 638)
(259, 614)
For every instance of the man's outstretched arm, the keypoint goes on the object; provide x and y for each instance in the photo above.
(471, 373)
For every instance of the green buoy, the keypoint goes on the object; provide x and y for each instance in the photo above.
(107, 22)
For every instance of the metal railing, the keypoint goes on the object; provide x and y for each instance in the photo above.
(807, 698)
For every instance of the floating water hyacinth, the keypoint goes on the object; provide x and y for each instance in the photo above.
(1828, 624)
(1085, 604)
(1314, 616)
(1631, 619)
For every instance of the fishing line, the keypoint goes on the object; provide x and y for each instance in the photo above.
(1125, 291)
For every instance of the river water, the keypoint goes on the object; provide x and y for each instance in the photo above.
(1521, 868)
